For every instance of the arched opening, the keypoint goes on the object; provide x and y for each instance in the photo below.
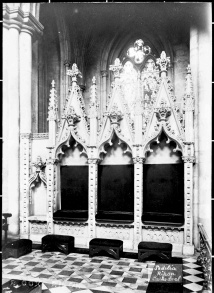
(115, 202)
(163, 185)
(73, 178)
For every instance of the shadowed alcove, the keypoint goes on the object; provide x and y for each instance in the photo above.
(74, 184)
(116, 184)
(163, 184)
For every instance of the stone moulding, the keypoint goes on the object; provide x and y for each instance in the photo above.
(36, 136)
(163, 234)
(67, 223)
(25, 20)
(163, 228)
(119, 226)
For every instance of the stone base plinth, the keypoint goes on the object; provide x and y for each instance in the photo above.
(188, 249)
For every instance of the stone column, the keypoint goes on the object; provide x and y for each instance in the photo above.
(205, 120)
(93, 161)
(25, 77)
(5, 112)
(138, 198)
(194, 69)
(25, 156)
(51, 189)
(138, 164)
(14, 129)
(51, 160)
(92, 207)
(188, 247)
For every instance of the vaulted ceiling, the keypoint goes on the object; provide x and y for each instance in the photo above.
(103, 30)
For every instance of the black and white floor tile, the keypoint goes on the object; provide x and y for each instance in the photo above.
(60, 273)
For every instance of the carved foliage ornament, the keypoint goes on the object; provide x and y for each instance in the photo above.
(162, 112)
(71, 117)
(115, 115)
(38, 175)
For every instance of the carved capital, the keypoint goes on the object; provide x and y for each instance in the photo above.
(116, 68)
(139, 160)
(104, 73)
(25, 135)
(93, 161)
(189, 159)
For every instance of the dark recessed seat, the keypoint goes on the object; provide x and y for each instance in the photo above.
(71, 215)
(54, 242)
(18, 248)
(148, 249)
(115, 217)
(163, 218)
(113, 247)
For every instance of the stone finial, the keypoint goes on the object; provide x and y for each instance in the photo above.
(93, 95)
(71, 117)
(74, 73)
(53, 105)
(117, 67)
(163, 62)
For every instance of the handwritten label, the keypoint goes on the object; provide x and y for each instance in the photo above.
(167, 273)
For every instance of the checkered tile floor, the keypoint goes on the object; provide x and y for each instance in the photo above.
(60, 273)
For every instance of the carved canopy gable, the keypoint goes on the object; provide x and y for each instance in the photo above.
(74, 119)
(164, 117)
(116, 121)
